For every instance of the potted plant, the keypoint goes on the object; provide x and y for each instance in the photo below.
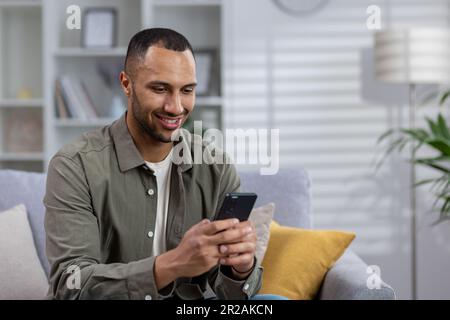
(435, 136)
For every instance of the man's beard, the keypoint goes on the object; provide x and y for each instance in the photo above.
(142, 119)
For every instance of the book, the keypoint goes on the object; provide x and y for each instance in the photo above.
(73, 99)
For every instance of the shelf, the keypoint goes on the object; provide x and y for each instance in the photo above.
(90, 52)
(83, 123)
(22, 156)
(20, 4)
(208, 101)
(200, 20)
(186, 2)
(21, 103)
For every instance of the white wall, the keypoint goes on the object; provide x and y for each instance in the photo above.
(311, 77)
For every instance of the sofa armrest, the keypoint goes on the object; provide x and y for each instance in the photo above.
(347, 280)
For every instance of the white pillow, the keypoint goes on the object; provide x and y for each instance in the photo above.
(21, 273)
(261, 218)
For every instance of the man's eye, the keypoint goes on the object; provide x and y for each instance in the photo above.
(159, 89)
(188, 90)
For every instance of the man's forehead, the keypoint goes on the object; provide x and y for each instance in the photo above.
(161, 54)
(167, 63)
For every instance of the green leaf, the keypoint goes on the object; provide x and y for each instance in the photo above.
(393, 146)
(438, 158)
(435, 166)
(429, 97)
(416, 134)
(440, 145)
(426, 181)
(437, 161)
(419, 145)
(444, 97)
(445, 209)
(389, 150)
(434, 127)
(444, 194)
(385, 135)
(440, 183)
(440, 220)
(443, 127)
(402, 145)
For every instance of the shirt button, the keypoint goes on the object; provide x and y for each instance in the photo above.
(246, 286)
(150, 234)
(148, 297)
(151, 192)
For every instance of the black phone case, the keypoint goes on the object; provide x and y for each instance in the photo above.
(237, 205)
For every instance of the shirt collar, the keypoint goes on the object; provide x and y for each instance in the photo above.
(127, 153)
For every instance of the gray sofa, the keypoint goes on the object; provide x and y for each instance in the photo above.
(289, 190)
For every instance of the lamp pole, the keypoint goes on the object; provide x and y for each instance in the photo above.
(412, 126)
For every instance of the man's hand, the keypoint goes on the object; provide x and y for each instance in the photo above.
(198, 251)
(240, 251)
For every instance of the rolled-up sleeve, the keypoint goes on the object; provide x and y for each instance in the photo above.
(73, 244)
(227, 288)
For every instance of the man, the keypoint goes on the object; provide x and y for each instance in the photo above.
(125, 222)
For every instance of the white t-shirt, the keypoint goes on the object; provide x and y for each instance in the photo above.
(162, 172)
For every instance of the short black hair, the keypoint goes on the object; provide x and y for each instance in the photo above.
(166, 38)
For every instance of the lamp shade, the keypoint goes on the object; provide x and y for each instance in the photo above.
(414, 56)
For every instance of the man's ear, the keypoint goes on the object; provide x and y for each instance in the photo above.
(125, 82)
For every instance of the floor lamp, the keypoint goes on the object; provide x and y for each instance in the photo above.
(413, 56)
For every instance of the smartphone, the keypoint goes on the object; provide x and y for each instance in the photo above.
(236, 205)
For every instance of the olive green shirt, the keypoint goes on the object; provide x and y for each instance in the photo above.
(101, 201)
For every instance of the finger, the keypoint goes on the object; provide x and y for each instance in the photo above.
(218, 226)
(238, 248)
(242, 259)
(197, 227)
(232, 236)
(244, 224)
(201, 223)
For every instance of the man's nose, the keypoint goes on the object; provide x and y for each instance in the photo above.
(173, 105)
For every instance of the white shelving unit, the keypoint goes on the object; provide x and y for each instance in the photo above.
(82, 52)
(21, 103)
(37, 48)
(21, 91)
(20, 4)
(67, 123)
(21, 156)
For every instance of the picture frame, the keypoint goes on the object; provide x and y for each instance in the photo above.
(99, 28)
(206, 70)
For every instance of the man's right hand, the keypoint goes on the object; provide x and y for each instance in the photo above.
(197, 253)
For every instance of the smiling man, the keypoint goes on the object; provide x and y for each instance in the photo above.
(125, 222)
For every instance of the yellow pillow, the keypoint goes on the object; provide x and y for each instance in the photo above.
(297, 260)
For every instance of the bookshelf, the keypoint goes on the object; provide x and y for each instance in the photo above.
(37, 49)
(21, 91)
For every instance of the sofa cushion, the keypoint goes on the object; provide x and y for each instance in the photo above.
(297, 260)
(289, 189)
(261, 218)
(28, 188)
(351, 279)
(21, 273)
